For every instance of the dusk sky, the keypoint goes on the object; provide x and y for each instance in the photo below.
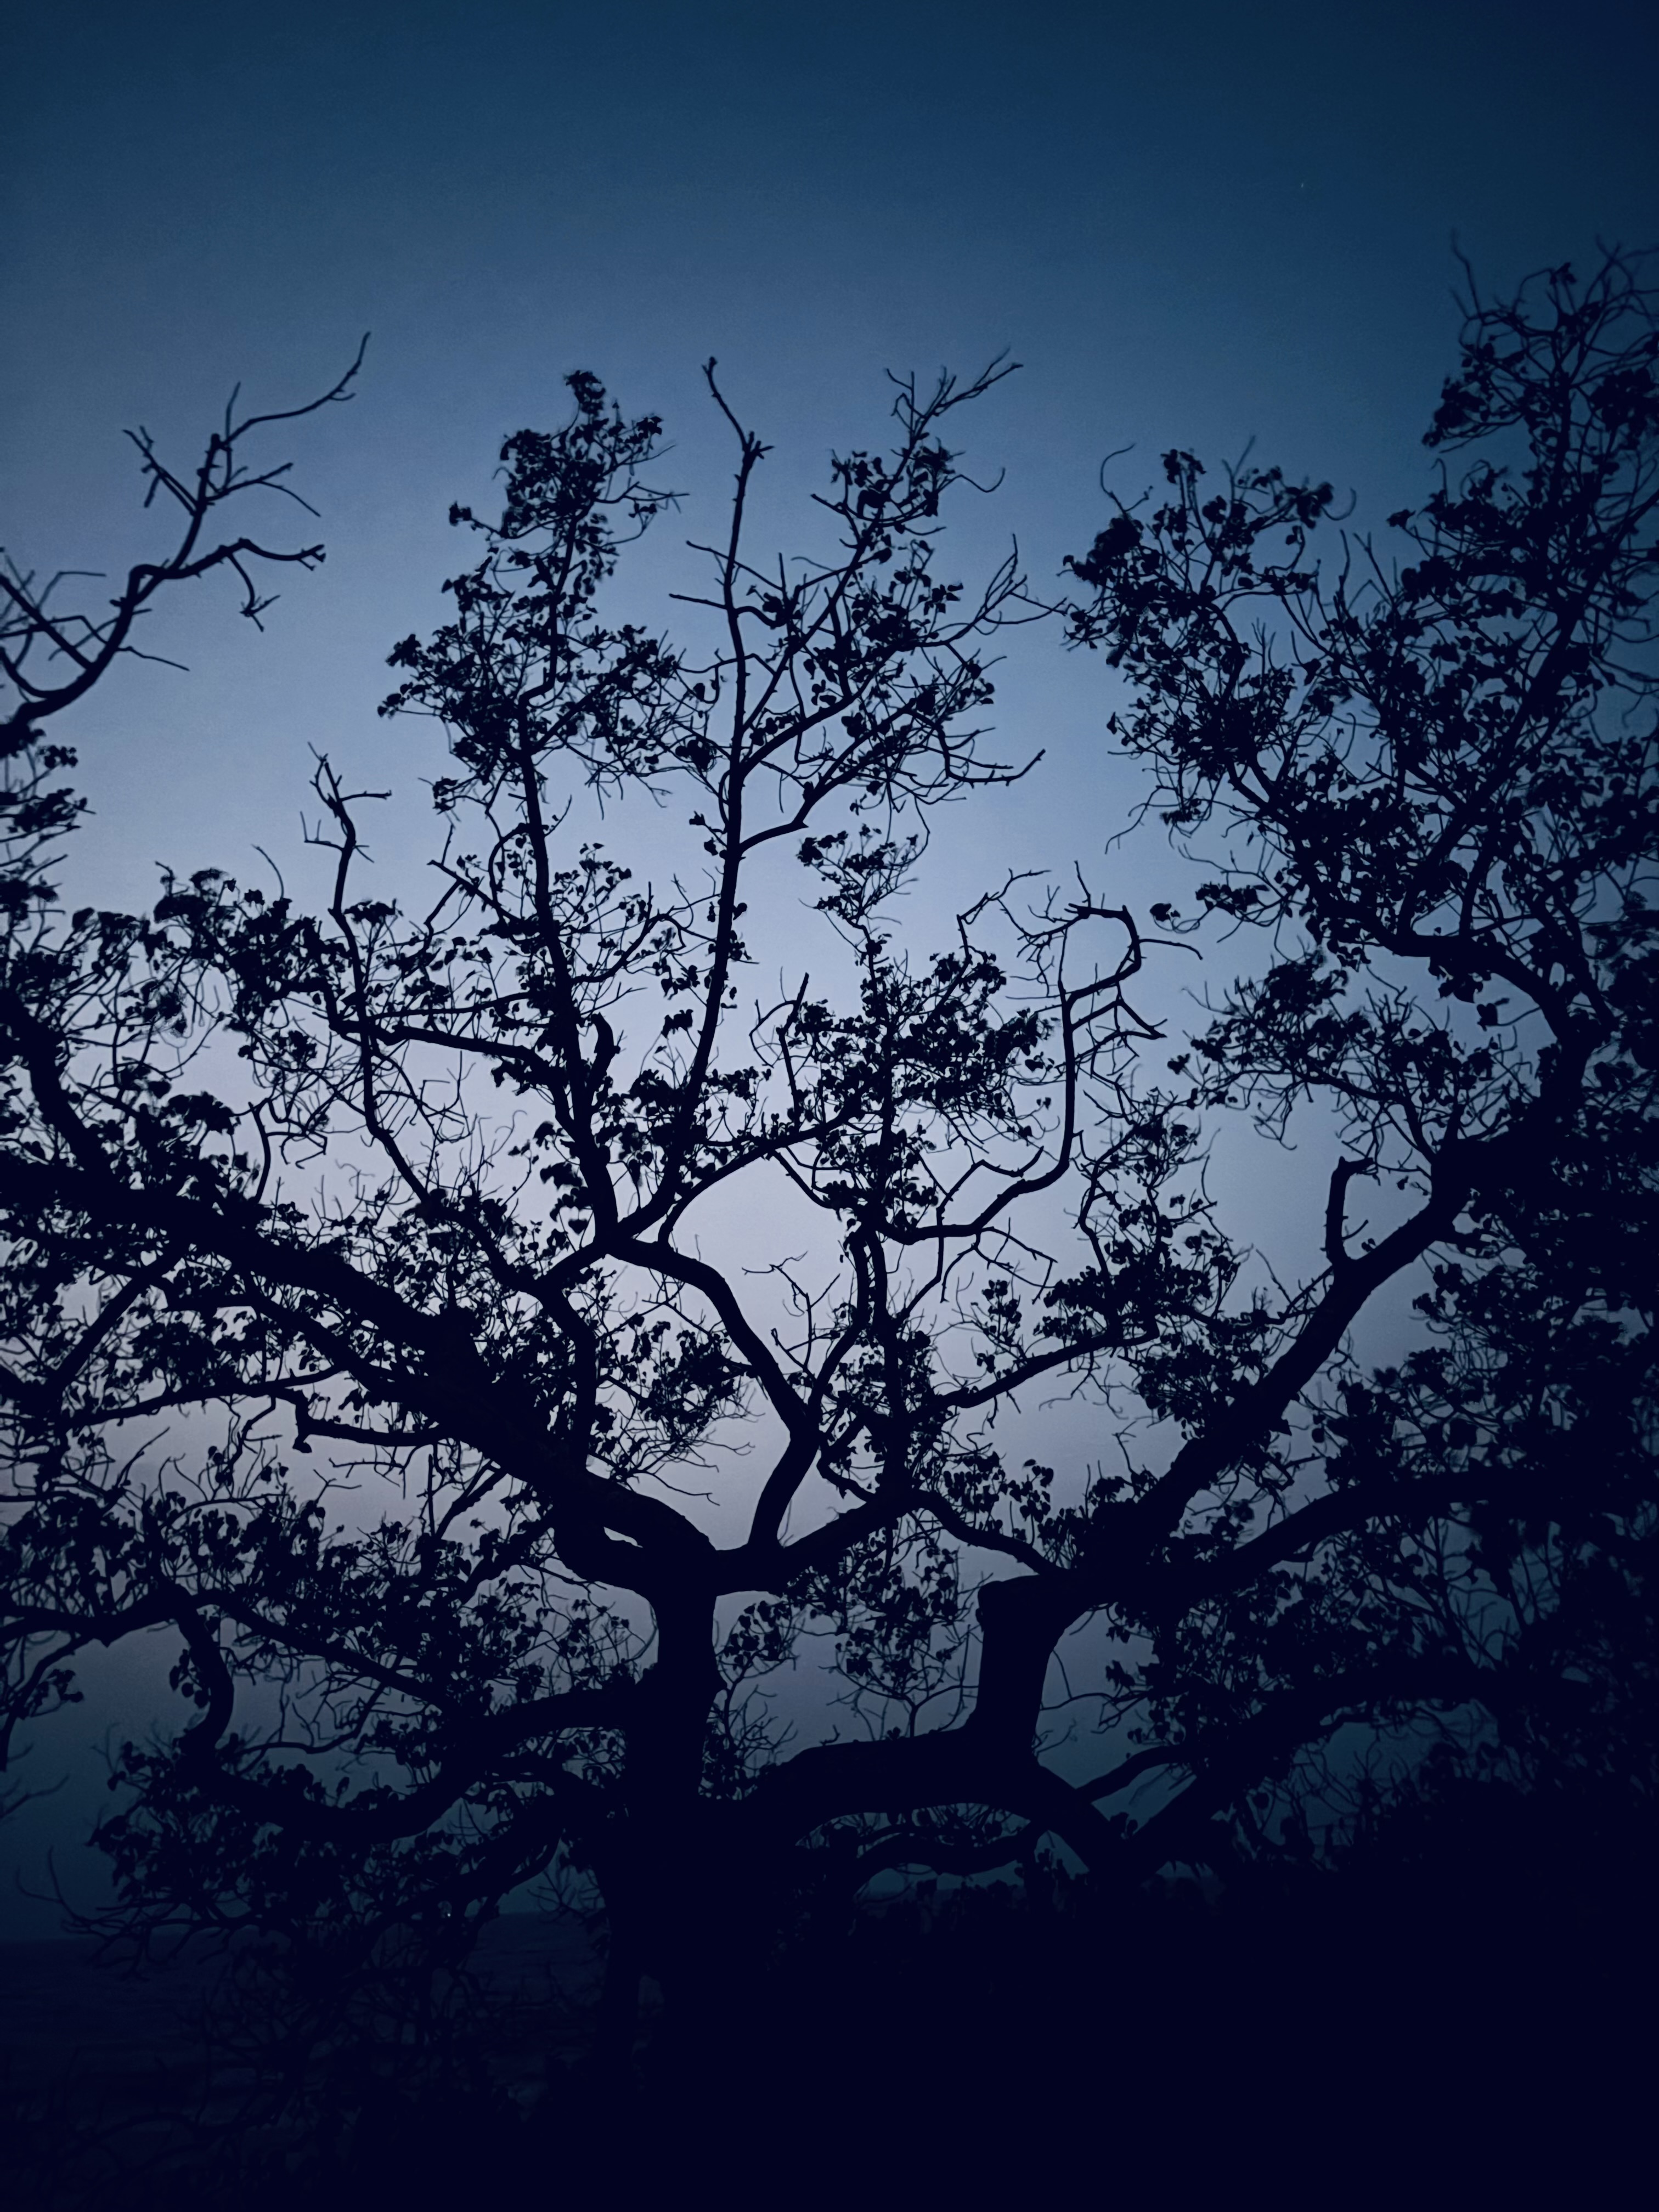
(1192, 225)
(1197, 225)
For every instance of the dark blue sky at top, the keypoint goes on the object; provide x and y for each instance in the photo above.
(1192, 224)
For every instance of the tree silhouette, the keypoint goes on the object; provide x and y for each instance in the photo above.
(427, 1198)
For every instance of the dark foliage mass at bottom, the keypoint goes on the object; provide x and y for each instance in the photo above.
(1459, 2005)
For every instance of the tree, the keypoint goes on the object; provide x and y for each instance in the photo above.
(426, 1196)
(1433, 789)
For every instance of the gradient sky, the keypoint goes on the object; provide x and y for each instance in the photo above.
(1192, 224)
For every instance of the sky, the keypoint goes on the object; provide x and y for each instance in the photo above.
(1195, 224)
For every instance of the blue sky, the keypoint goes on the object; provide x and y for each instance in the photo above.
(1194, 225)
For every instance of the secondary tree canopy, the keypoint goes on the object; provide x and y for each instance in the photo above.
(366, 1317)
